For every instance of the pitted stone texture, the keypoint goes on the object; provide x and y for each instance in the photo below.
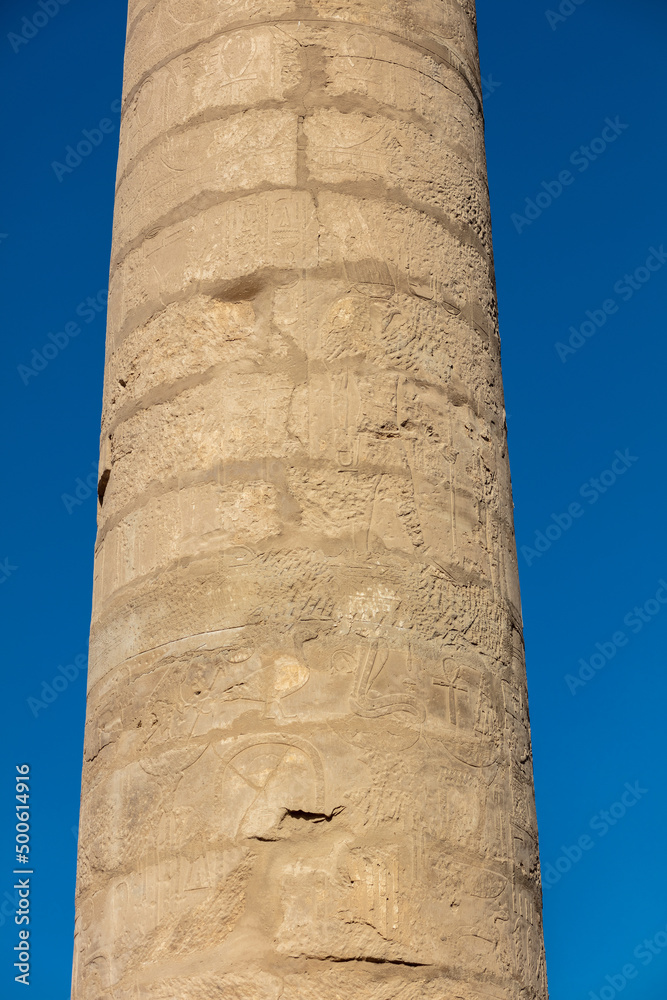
(307, 766)
(346, 150)
(178, 346)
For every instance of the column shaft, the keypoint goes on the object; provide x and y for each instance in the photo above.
(307, 762)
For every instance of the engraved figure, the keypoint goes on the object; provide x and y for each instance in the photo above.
(236, 54)
(367, 702)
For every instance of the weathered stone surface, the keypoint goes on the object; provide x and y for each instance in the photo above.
(187, 171)
(307, 756)
(160, 31)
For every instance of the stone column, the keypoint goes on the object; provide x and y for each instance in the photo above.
(307, 759)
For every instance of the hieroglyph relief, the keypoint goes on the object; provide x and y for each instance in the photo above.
(307, 759)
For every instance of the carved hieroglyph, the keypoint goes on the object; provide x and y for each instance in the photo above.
(307, 762)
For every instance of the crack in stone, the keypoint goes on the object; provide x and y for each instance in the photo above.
(310, 817)
(376, 961)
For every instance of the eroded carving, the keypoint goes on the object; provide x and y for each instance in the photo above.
(307, 755)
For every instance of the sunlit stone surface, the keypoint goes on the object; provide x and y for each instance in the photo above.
(307, 763)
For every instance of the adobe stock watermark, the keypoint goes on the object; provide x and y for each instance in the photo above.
(51, 691)
(83, 489)
(581, 158)
(92, 138)
(600, 824)
(8, 907)
(31, 26)
(565, 10)
(7, 569)
(489, 86)
(40, 359)
(644, 953)
(626, 287)
(591, 490)
(635, 621)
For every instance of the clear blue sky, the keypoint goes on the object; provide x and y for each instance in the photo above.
(584, 94)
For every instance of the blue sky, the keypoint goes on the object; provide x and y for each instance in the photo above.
(577, 155)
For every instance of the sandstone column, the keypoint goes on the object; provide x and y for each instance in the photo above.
(307, 764)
